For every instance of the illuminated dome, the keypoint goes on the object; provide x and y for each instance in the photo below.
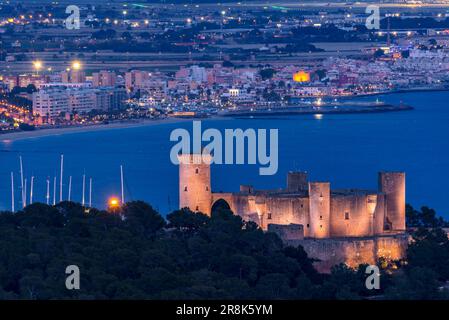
(301, 76)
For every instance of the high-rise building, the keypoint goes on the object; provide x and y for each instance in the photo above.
(73, 76)
(109, 98)
(136, 79)
(104, 79)
(36, 80)
(50, 103)
(55, 101)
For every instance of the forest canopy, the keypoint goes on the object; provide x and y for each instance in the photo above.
(135, 253)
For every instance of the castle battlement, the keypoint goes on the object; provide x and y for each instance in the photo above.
(307, 210)
(324, 213)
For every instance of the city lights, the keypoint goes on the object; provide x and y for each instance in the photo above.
(37, 65)
(76, 65)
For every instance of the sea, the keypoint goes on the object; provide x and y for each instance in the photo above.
(346, 149)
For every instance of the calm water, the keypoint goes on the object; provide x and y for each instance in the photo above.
(347, 150)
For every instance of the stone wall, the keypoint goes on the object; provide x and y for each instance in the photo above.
(288, 232)
(353, 251)
(350, 217)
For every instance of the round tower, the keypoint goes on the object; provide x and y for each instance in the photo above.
(392, 184)
(319, 208)
(194, 182)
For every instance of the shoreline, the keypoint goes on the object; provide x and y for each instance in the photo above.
(39, 133)
(47, 132)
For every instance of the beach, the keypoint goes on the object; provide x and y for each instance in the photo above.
(38, 133)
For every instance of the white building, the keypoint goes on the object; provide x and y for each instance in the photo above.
(54, 101)
(50, 103)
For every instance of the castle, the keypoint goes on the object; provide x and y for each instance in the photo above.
(351, 225)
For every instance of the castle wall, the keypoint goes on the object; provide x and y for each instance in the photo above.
(351, 251)
(379, 215)
(228, 197)
(350, 216)
(243, 205)
(288, 210)
(287, 232)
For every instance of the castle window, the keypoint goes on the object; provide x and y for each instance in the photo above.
(185, 188)
(207, 188)
(321, 226)
(197, 208)
(302, 206)
(321, 217)
(197, 171)
(308, 225)
(269, 215)
(346, 215)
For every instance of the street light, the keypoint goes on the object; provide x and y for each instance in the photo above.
(113, 204)
(37, 65)
(76, 65)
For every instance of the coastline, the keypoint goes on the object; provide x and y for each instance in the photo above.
(39, 133)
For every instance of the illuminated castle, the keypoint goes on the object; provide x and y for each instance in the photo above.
(360, 225)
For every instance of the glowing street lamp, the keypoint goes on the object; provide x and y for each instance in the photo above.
(113, 204)
(76, 65)
(37, 65)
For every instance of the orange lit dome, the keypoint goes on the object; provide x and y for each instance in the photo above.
(301, 76)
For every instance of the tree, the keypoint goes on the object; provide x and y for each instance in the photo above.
(267, 73)
(379, 53)
(136, 254)
(185, 220)
(141, 217)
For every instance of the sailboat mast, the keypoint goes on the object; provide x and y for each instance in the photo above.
(31, 189)
(90, 193)
(21, 181)
(60, 178)
(121, 184)
(54, 191)
(25, 194)
(84, 188)
(48, 191)
(70, 188)
(12, 192)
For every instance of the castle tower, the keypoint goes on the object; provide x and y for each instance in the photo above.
(319, 206)
(194, 182)
(393, 185)
(297, 181)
